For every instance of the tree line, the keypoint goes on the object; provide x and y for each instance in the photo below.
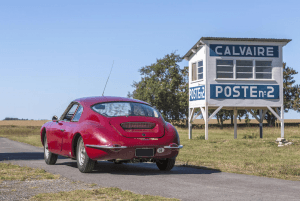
(165, 85)
(12, 118)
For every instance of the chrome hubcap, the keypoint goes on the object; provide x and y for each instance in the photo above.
(46, 149)
(81, 153)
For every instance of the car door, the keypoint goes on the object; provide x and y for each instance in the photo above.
(69, 130)
(58, 129)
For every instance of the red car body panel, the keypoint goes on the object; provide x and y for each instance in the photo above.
(96, 129)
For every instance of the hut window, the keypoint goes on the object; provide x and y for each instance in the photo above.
(194, 72)
(263, 69)
(200, 70)
(244, 69)
(224, 68)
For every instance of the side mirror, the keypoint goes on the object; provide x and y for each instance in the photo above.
(54, 118)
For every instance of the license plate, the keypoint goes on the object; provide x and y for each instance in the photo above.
(144, 152)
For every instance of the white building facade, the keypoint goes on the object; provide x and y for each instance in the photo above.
(233, 74)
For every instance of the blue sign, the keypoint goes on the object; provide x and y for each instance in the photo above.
(243, 50)
(225, 91)
(197, 93)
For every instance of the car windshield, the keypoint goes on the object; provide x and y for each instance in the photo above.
(117, 109)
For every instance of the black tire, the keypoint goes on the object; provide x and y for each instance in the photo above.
(50, 158)
(166, 165)
(84, 163)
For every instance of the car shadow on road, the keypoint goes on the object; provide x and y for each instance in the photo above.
(103, 167)
(141, 169)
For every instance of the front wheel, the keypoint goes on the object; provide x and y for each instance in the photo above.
(166, 165)
(84, 163)
(49, 157)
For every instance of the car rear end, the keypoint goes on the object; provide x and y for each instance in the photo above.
(138, 134)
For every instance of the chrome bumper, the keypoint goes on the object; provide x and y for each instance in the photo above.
(124, 147)
(179, 147)
(105, 147)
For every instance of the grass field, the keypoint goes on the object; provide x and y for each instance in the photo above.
(23, 122)
(22, 174)
(25, 134)
(248, 154)
(97, 194)
(15, 172)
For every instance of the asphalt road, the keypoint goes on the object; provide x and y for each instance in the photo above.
(181, 182)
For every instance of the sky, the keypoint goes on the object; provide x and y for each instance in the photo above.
(52, 52)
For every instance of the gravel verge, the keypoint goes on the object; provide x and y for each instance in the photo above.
(24, 190)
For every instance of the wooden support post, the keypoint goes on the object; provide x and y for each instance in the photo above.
(206, 122)
(282, 121)
(190, 130)
(261, 123)
(235, 122)
(276, 121)
(191, 114)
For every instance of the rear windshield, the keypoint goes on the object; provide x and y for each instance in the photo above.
(117, 109)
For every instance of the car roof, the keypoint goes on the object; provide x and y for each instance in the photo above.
(88, 101)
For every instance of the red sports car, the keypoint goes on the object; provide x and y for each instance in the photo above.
(110, 128)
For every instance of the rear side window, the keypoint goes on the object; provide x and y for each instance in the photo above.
(117, 109)
(78, 113)
(70, 113)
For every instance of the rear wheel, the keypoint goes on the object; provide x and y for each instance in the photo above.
(49, 157)
(166, 165)
(84, 163)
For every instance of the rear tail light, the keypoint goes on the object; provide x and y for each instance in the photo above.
(137, 125)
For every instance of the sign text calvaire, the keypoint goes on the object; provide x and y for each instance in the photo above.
(243, 50)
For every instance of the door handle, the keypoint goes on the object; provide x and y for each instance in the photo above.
(62, 130)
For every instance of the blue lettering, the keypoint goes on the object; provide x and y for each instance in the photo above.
(243, 50)
(223, 91)
(197, 93)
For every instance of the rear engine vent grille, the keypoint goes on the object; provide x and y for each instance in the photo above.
(137, 125)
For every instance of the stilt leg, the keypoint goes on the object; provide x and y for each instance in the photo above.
(206, 122)
(282, 121)
(235, 122)
(190, 124)
(260, 124)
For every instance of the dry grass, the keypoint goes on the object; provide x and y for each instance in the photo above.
(248, 154)
(25, 134)
(23, 122)
(15, 172)
(97, 194)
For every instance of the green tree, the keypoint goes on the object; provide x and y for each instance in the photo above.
(223, 115)
(290, 91)
(296, 100)
(165, 86)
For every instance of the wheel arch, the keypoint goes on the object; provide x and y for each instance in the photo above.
(74, 144)
(43, 135)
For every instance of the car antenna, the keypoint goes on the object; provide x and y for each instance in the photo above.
(108, 77)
